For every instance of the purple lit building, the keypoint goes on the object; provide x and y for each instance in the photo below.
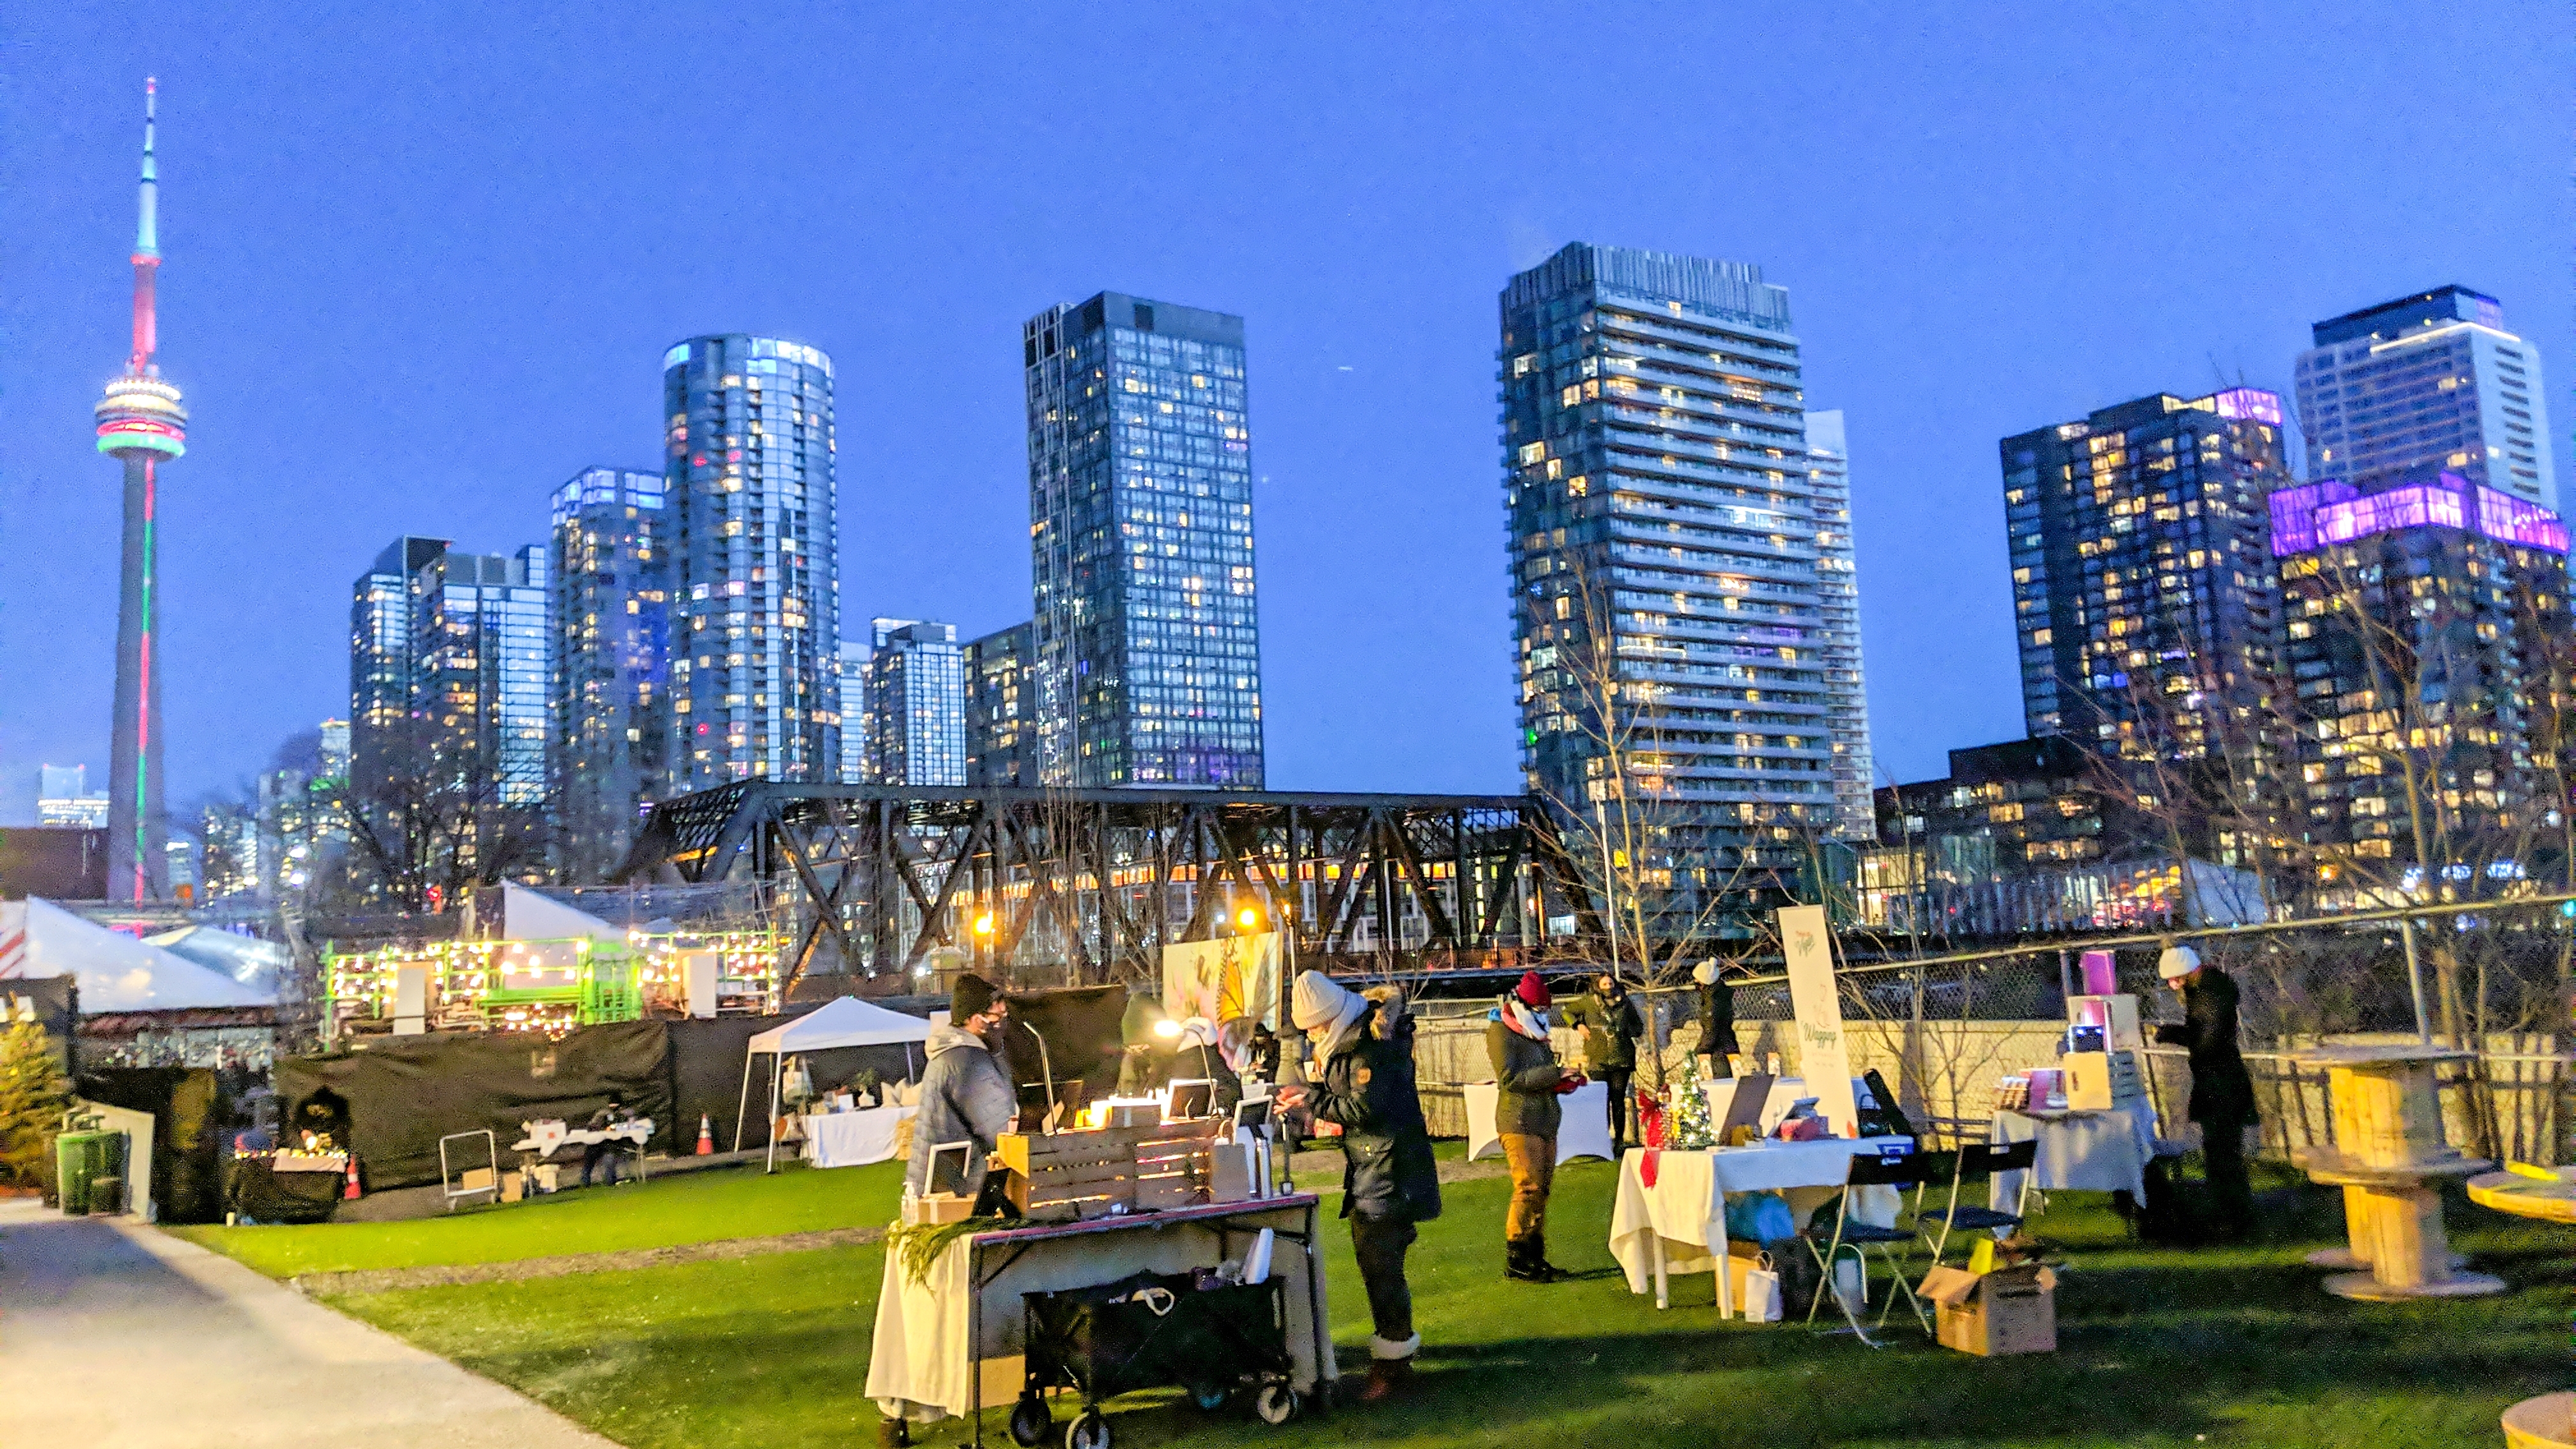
(2416, 616)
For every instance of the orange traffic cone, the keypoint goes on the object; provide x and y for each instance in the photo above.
(350, 1192)
(706, 1136)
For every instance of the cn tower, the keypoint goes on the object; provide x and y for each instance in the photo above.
(141, 424)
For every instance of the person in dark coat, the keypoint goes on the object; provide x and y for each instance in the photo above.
(2222, 1091)
(1611, 1025)
(1526, 1116)
(595, 1153)
(1716, 1022)
(1362, 1077)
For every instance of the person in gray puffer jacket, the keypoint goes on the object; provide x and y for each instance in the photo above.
(966, 1096)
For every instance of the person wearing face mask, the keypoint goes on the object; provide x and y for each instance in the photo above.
(966, 1094)
(1361, 1076)
(1526, 1116)
(1611, 1025)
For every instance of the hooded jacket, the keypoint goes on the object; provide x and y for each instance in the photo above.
(2222, 1091)
(965, 1097)
(1366, 1085)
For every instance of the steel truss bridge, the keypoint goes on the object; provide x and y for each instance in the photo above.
(1093, 883)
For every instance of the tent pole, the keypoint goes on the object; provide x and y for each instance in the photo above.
(742, 1108)
(771, 1164)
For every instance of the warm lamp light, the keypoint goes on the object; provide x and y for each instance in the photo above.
(1167, 1028)
(984, 924)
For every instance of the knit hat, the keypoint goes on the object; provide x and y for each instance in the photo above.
(2177, 962)
(1705, 973)
(1318, 1001)
(971, 997)
(1533, 993)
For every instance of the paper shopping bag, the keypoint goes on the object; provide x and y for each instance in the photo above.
(1761, 1296)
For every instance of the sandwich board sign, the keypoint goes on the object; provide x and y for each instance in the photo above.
(1824, 1063)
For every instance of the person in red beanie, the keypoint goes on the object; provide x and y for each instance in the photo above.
(1526, 1117)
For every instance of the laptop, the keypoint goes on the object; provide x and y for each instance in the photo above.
(1752, 1094)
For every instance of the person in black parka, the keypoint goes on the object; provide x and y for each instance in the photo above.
(1716, 1021)
(2222, 1091)
(1362, 1078)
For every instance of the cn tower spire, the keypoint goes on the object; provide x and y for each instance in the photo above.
(142, 425)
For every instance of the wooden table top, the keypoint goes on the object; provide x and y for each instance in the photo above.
(2528, 1197)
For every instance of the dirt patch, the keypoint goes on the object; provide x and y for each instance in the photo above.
(386, 1280)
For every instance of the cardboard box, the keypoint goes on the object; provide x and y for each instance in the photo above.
(2100, 1081)
(514, 1186)
(2007, 1311)
(2121, 1028)
(937, 1208)
(474, 1179)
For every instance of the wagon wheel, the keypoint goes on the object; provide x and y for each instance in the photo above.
(1091, 1431)
(1276, 1404)
(1030, 1420)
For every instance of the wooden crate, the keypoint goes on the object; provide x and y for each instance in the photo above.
(1086, 1174)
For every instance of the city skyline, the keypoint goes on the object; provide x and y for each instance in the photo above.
(1427, 696)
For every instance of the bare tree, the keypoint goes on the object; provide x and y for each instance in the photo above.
(431, 820)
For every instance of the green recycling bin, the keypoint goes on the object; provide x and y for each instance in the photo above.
(82, 1158)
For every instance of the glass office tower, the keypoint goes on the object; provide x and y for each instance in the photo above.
(2144, 596)
(2427, 381)
(854, 713)
(1677, 608)
(916, 720)
(1147, 639)
(480, 649)
(611, 661)
(1001, 709)
(754, 570)
(1838, 602)
(380, 656)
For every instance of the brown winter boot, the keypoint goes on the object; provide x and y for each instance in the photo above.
(1387, 1377)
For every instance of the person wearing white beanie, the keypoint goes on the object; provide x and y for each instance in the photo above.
(2222, 1091)
(1362, 1078)
(1716, 1022)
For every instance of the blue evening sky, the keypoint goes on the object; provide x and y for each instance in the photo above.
(423, 259)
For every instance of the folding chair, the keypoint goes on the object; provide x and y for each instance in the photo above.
(1869, 1171)
(1982, 1160)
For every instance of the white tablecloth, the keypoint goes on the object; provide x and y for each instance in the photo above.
(918, 1360)
(853, 1139)
(2078, 1151)
(1677, 1223)
(1584, 1133)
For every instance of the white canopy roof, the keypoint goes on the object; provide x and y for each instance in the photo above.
(116, 971)
(845, 1021)
(527, 916)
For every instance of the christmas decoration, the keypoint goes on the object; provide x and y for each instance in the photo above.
(1686, 1124)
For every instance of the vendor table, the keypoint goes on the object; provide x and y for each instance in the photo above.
(547, 1134)
(1585, 1131)
(853, 1139)
(2078, 1151)
(951, 1344)
(1669, 1198)
(2390, 1154)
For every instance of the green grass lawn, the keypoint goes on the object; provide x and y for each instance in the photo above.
(694, 1207)
(2157, 1347)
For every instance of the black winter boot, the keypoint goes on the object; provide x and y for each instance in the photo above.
(1525, 1261)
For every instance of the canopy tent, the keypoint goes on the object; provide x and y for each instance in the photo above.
(257, 964)
(528, 916)
(844, 1021)
(116, 972)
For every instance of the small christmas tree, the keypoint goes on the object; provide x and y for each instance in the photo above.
(33, 1098)
(1687, 1127)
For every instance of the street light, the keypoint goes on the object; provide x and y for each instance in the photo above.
(984, 924)
(1248, 918)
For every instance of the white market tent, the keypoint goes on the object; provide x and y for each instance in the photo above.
(527, 916)
(116, 972)
(844, 1021)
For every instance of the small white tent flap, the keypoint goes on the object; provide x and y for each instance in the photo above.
(118, 972)
(844, 1021)
(527, 916)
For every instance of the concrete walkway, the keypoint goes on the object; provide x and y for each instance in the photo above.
(117, 1336)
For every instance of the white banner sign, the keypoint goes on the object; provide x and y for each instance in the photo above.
(1230, 977)
(1823, 1063)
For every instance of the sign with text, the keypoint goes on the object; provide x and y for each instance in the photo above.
(1823, 1062)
